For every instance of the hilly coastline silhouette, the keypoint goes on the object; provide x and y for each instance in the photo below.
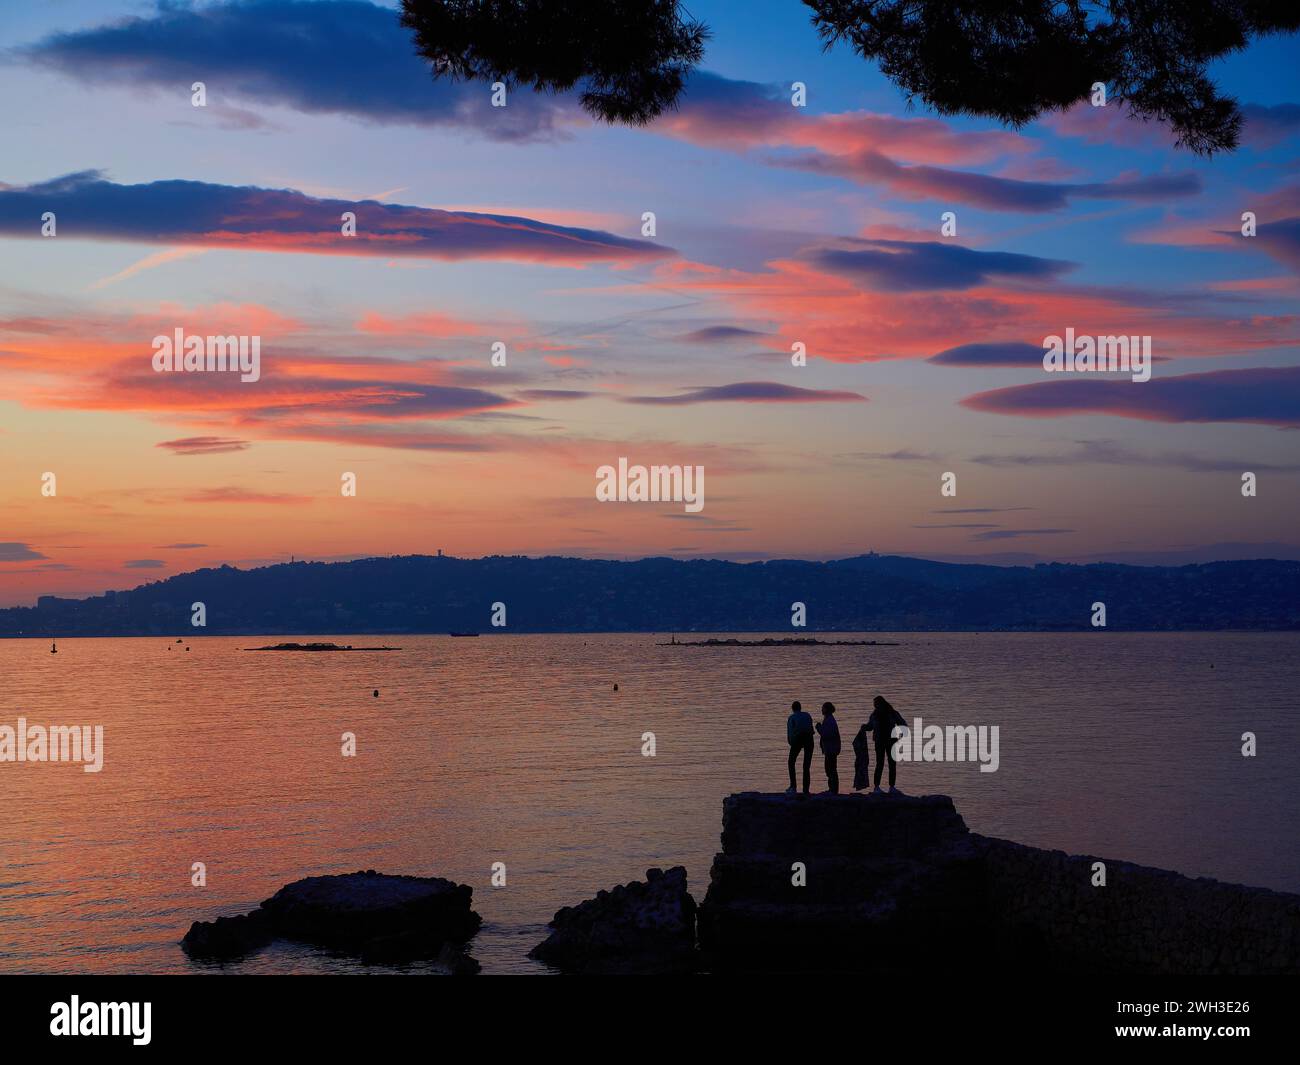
(440, 594)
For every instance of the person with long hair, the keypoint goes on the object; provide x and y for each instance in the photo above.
(884, 719)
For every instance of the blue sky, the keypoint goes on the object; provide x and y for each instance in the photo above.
(775, 225)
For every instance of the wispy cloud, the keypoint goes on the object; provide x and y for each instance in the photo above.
(986, 190)
(915, 266)
(204, 445)
(15, 552)
(204, 215)
(1015, 534)
(158, 258)
(236, 495)
(1007, 353)
(1109, 453)
(1264, 396)
(717, 334)
(749, 392)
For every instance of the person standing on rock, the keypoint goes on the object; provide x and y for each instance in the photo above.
(884, 719)
(799, 734)
(861, 759)
(830, 733)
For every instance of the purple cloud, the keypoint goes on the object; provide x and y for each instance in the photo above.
(541, 395)
(715, 334)
(1006, 353)
(202, 214)
(13, 552)
(343, 57)
(1281, 240)
(926, 266)
(1013, 534)
(984, 190)
(750, 392)
(1266, 126)
(1261, 396)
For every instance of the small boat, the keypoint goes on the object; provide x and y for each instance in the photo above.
(463, 634)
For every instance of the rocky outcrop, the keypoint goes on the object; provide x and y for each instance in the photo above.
(841, 883)
(1144, 920)
(381, 918)
(850, 826)
(642, 927)
(892, 884)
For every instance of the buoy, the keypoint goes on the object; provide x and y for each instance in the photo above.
(53, 648)
(376, 693)
(616, 687)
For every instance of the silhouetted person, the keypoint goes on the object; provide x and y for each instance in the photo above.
(830, 733)
(884, 719)
(861, 759)
(799, 734)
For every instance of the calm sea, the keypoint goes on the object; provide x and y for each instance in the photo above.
(517, 749)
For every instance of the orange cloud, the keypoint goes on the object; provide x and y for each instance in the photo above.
(842, 321)
(422, 325)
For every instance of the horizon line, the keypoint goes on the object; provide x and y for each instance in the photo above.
(337, 561)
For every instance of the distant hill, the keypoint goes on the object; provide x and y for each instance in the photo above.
(422, 593)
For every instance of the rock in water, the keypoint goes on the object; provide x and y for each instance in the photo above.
(348, 911)
(379, 917)
(641, 927)
(229, 937)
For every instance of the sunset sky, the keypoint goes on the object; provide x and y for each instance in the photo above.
(775, 225)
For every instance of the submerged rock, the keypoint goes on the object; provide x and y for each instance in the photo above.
(642, 927)
(382, 918)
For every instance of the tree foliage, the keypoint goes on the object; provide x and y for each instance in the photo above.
(1006, 59)
(628, 58)
(1014, 59)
